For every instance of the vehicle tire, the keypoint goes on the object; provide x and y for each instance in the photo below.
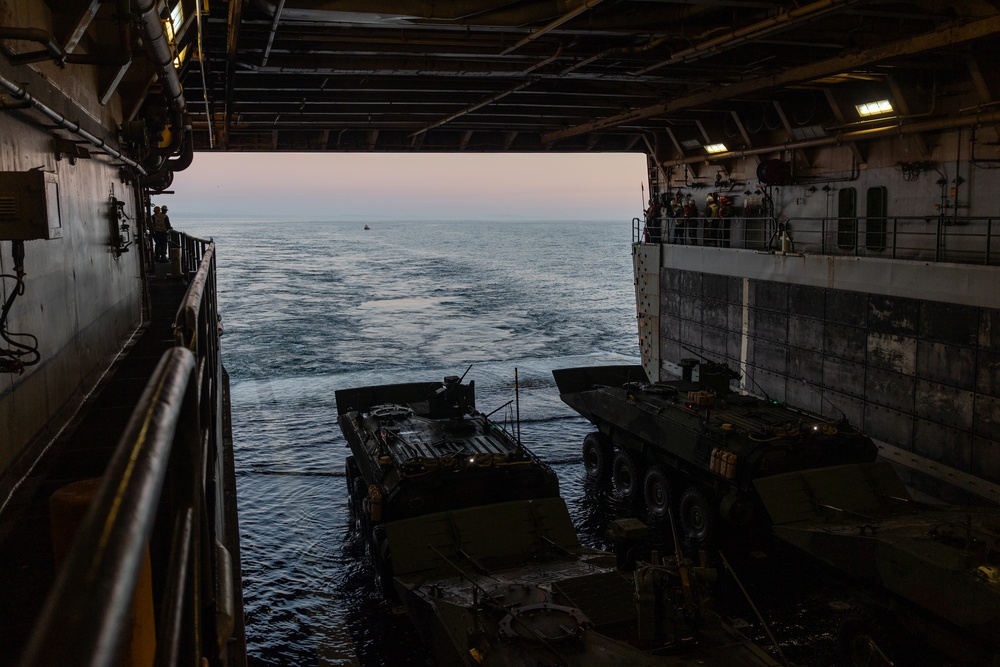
(657, 492)
(626, 474)
(698, 516)
(597, 457)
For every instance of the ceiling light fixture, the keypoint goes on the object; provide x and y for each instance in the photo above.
(873, 108)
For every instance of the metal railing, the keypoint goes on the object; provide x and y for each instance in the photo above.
(164, 493)
(971, 240)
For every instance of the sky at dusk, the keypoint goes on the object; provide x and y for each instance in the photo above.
(410, 186)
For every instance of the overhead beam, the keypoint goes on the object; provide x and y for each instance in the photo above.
(553, 25)
(232, 45)
(955, 34)
(81, 25)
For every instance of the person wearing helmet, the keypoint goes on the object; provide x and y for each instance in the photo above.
(161, 230)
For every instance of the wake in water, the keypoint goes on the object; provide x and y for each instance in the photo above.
(310, 308)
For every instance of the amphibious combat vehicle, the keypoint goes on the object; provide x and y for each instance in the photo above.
(697, 446)
(931, 571)
(467, 528)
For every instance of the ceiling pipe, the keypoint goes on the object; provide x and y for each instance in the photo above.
(159, 53)
(842, 137)
(490, 100)
(553, 25)
(20, 93)
(776, 23)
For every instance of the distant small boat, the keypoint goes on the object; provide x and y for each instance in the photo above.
(367, 227)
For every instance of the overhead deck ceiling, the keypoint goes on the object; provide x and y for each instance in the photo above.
(540, 75)
(546, 75)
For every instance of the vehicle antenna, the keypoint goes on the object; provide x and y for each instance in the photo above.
(465, 373)
(755, 610)
(843, 415)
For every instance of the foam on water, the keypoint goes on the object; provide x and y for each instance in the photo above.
(313, 307)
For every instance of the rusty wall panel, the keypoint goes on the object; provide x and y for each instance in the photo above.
(847, 307)
(770, 355)
(768, 294)
(690, 308)
(890, 314)
(689, 283)
(948, 364)
(769, 325)
(986, 422)
(988, 373)
(805, 333)
(892, 352)
(949, 323)
(986, 458)
(715, 287)
(989, 329)
(889, 389)
(805, 366)
(951, 447)
(845, 342)
(691, 334)
(888, 425)
(714, 313)
(844, 376)
(714, 340)
(807, 301)
(944, 405)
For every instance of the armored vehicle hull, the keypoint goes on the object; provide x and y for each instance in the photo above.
(697, 446)
(936, 568)
(467, 529)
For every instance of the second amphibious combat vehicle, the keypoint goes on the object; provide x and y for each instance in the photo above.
(467, 528)
(697, 446)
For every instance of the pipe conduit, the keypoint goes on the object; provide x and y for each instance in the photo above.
(72, 126)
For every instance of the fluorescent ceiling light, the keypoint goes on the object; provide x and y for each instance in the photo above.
(873, 108)
(716, 148)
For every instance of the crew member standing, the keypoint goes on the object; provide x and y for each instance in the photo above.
(161, 230)
(653, 220)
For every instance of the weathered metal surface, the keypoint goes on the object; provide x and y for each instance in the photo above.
(918, 374)
(467, 529)
(860, 519)
(427, 449)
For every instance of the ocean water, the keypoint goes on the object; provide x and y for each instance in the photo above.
(312, 307)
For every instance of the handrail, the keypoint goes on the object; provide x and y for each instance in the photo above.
(936, 238)
(165, 486)
(84, 616)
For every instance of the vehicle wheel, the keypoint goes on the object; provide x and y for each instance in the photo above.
(626, 474)
(697, 516)
(656, 489)
(597, 457)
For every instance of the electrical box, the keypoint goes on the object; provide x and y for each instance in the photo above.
(29, 206)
